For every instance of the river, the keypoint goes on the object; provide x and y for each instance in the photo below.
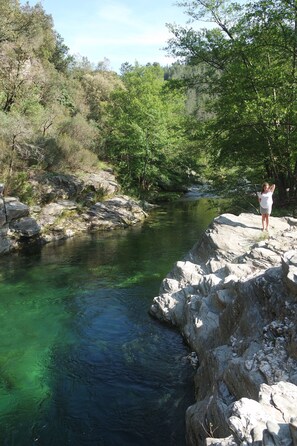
(82, 363)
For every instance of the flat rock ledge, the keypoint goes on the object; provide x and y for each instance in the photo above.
(234, 299)
(66, 205)
(21, 225)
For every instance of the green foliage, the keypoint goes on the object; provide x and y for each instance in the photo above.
(98, 87)
(58, 113)
(247, 72)
(43, 107)
(20, 187)
(226, 110)
(60, 57)
(146, 128)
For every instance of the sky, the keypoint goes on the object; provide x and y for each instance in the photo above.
(118, 30)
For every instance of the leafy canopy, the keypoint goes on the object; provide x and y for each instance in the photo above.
(247, 60)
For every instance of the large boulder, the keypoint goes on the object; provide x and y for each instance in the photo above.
(234, 299)
(25, 227)
(102, 181)
(59, 220)
(66, 205)
(15, 224)
(84, 187)
(118, 211)
(13, 209)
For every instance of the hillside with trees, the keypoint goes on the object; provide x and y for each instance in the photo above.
(225, 110)
(60, 114)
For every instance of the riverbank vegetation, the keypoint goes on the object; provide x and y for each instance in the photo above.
(244, 65)
(226, 110)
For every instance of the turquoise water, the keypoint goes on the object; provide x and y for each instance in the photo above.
(81, 360)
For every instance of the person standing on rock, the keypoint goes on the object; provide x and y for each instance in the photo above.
(265, 200)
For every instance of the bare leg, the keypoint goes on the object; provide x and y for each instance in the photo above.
(267, 222)
(263, 221)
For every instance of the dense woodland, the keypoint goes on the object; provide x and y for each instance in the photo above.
(225, 111)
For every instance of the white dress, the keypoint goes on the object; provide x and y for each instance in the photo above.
(265, 202)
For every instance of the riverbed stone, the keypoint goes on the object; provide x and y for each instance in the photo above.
(66, 205)
(64, 219)
(83, 187)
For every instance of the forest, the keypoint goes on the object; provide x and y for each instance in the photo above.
(224, 112)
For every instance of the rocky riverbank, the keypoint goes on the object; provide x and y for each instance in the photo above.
(234, 299)
(64, 206)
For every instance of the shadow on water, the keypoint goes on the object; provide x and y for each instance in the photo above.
(82, 362)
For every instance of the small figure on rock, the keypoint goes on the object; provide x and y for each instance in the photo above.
(266, 201)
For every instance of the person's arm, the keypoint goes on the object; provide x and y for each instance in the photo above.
(272, 187)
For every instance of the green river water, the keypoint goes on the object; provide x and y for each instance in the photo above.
(82, 362)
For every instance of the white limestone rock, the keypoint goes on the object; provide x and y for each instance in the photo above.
(235, 293)
(289, 263)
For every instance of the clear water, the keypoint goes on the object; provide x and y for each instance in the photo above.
(81, 360)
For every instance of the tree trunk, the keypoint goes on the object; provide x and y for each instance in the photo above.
(10, 168)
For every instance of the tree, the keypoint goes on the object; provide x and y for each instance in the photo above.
(98, 87)
(27, 46)
(145, 128)
(44, 111)
(248, 72)
(60, 58)
(15, 134)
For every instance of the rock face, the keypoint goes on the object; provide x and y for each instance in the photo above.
(65, 218)
(67, 206)
(16, 227)
(234, 299)
(50, 188)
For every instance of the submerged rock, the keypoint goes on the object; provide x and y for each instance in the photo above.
(234, 299)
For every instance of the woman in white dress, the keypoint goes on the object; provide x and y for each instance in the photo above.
(265, 200)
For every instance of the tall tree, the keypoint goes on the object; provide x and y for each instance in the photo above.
(248, 60)
(146, 132)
